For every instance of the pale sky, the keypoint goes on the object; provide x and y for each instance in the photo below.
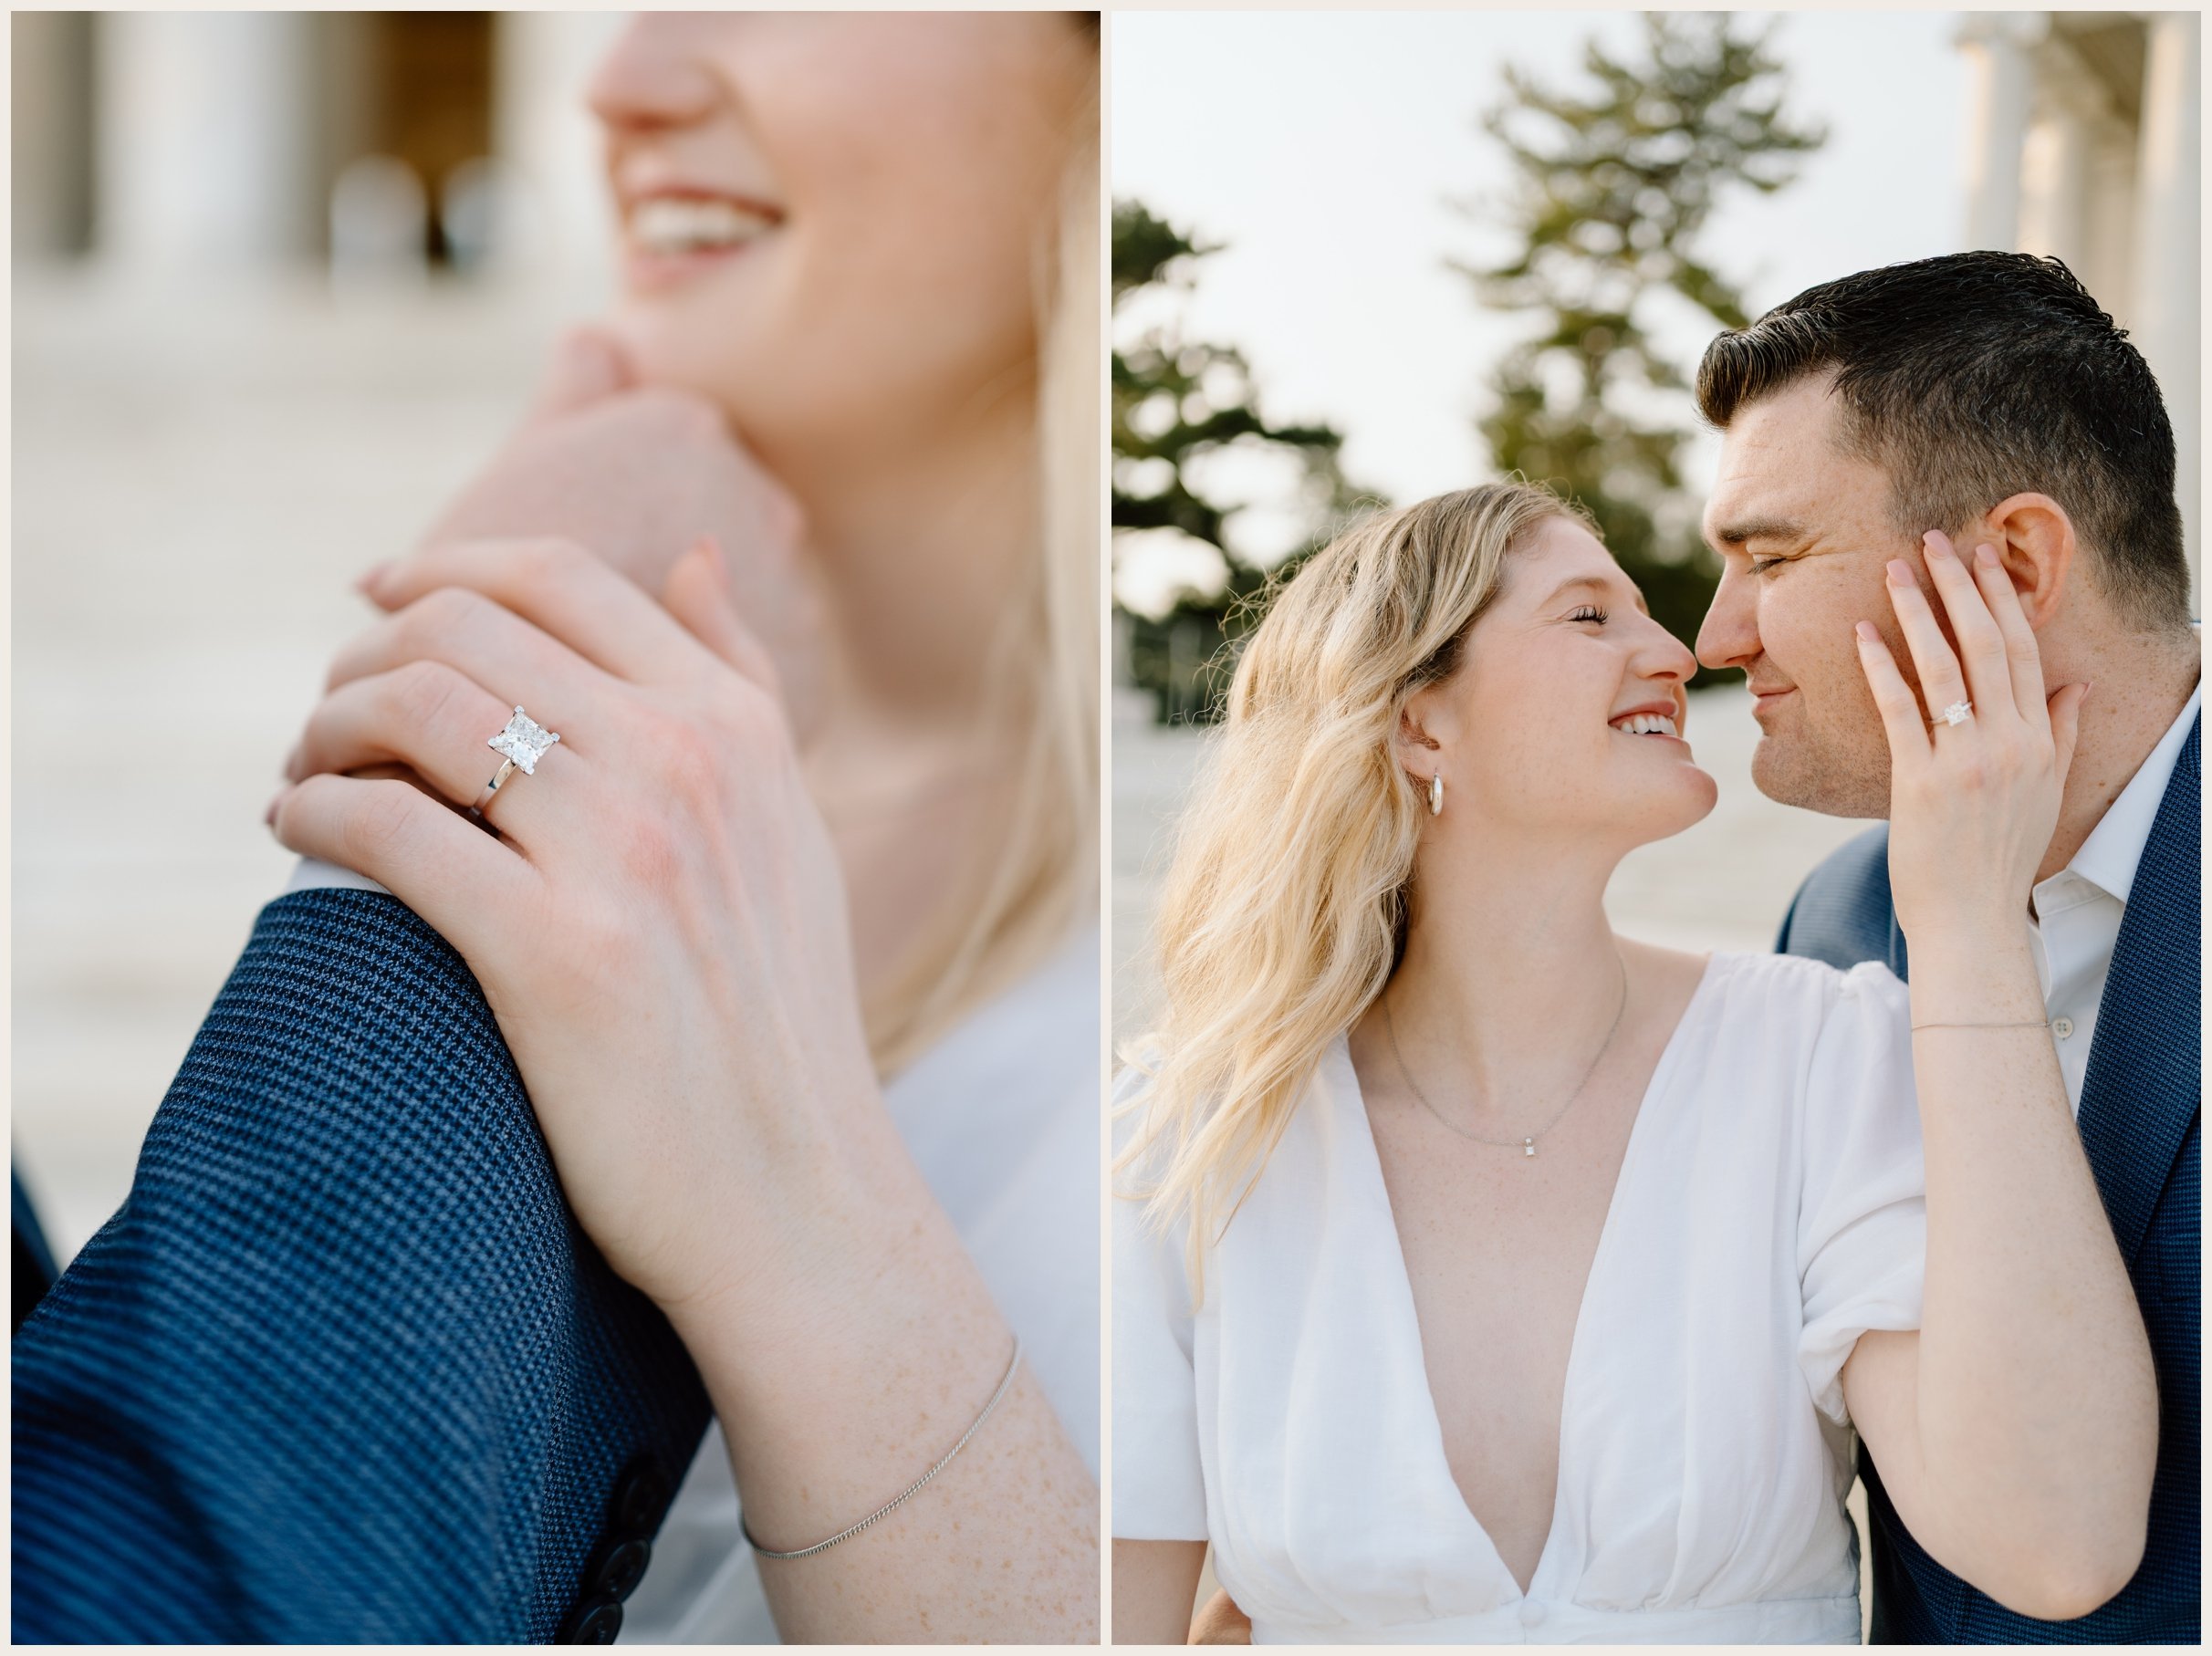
(1325, 149)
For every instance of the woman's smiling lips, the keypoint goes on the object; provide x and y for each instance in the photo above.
(673, 232)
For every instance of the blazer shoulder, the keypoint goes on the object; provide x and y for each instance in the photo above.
(1842, 913)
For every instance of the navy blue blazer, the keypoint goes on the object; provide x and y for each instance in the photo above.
(342, 1367)
(2139, 1126)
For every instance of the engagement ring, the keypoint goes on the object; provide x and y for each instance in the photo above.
(1959, 712)
(524, 743)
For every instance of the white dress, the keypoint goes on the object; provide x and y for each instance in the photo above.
(1770, 1211)
(1002, 1117)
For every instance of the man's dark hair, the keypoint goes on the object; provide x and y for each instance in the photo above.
(1976, 376)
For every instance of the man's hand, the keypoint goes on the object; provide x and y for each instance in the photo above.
(638, 474)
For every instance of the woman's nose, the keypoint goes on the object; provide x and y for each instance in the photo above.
(1663, 655)
(651, 77)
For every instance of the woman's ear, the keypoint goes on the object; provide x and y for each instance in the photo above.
(1419, 753)
(2034, 539)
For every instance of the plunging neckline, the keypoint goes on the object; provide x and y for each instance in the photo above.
(1372, 1170)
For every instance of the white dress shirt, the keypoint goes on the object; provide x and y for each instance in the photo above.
(2077, 911)
(1770, 1210)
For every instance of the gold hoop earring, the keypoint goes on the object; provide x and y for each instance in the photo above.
(1437, 794)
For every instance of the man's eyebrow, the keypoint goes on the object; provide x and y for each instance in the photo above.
(1757, 528)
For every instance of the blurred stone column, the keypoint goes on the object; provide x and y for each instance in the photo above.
(204, 142)
(2001, 88)
(2168, 291)
(545, 134)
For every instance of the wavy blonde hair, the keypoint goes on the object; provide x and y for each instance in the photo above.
(1284, 911)
(1042, 875)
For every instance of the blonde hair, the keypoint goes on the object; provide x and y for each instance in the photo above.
(1285, 908)
(1042, 873)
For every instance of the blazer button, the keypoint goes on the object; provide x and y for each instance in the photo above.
(618, 1570)
(640, 1497)
(594, 1621)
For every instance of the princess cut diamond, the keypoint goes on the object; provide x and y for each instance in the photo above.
(523, 740)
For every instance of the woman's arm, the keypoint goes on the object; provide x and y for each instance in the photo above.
(2017, 1431)
(1156, 1583)
(660, 926)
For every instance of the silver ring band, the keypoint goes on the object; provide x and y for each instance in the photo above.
(493, 786)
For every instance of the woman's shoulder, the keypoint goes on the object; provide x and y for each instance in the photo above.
(1744, 976)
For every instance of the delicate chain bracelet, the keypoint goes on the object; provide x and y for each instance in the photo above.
(892, 1505)
(2037, 1024)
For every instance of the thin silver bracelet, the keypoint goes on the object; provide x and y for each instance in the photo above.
(899, 1500)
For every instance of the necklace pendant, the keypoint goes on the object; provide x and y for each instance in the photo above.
(1528, 1147)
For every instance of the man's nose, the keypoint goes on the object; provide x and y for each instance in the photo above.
(1729, 637)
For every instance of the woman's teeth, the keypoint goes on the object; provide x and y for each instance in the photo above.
(1646, 724)
(672, 225)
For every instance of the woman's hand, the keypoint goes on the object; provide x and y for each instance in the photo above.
(660, 923)
(1976, 1419)
(661, 929)
(1973, 805)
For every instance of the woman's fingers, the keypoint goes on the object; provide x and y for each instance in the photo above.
(697, 593)
(438, 863)
(2023, 655)
(2065, 708)
(562, 590)
(1934, 663)
(439, 722)
(1893, 699)
(1982, 651)
(492, 645)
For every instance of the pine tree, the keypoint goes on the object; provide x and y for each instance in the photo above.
(1174, 402)
(1615, 182)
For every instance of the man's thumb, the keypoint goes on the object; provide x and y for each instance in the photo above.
(587, 364)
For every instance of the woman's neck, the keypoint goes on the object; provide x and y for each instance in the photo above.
(1511, 969)
(920, 555)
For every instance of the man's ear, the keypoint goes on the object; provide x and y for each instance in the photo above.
(2035, 539)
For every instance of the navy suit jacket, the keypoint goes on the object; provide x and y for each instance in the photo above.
(2139, 1121)
(342, 1367)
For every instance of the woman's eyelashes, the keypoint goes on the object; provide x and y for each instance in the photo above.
(1591, 612)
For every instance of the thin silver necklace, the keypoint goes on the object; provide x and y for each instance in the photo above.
(1527, 1144)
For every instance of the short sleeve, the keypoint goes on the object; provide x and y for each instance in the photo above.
(1862, 1217)
(1159, 1491)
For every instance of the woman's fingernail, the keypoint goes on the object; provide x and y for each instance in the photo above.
(717, 559)
(1986, 555)
(1900, 572)
(372, 577)
(1867, 635)
(268, 817)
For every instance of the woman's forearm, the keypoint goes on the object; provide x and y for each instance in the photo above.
(2037, 1404)
(835, 1396)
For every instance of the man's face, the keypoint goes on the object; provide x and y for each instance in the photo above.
(1804, 531)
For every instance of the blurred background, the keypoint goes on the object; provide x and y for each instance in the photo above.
(1364, 258)
(281, 283)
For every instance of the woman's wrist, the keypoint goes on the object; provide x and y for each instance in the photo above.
(1972, 978)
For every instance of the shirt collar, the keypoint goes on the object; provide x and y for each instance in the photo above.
(2108, 856)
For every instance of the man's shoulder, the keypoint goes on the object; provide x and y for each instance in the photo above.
(1842, 913)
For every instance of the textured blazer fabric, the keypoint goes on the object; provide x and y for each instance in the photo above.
(2140, 1121)
(342, 1367)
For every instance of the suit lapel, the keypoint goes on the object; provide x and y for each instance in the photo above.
(2141, 1089)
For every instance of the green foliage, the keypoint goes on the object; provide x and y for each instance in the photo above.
(1175, 402)
(1615, 182)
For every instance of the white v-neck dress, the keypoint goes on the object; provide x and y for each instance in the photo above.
(1770, 1211)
